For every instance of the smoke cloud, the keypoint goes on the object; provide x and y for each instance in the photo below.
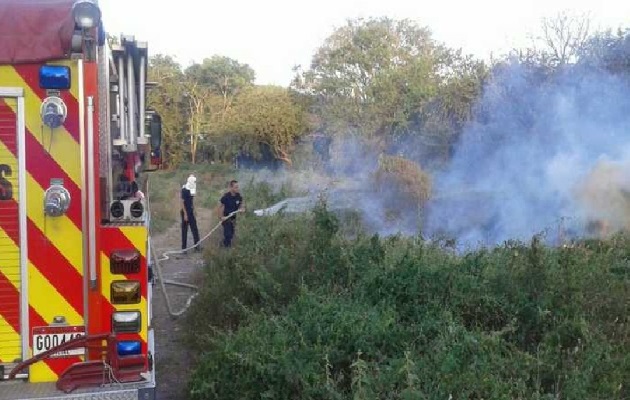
(541, 154)
(535, 153)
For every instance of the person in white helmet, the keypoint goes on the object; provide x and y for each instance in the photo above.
(187, 212)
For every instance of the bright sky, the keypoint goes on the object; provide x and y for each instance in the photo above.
(274, 35)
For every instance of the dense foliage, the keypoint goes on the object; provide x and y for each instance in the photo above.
(296, 311)
(308, 307)
(388, 81)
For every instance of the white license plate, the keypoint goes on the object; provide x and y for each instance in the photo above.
(46, 338)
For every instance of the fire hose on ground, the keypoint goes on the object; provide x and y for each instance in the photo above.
(165, 257)
(164, 282)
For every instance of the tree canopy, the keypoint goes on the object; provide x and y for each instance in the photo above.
(387, 81)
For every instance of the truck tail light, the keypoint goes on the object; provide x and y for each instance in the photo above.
(129, 348)
(124, 261)
(126, 322)
(125, 292)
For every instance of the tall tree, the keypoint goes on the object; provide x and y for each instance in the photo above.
(166, 99)
(369, 73)
(608, 50)
(210, 88)
(561, 39)
(197, 98)
(435, 127)
(391, 82)
(269, 116)
(223, 76)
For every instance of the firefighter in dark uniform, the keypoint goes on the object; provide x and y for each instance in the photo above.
(187, 212)
(230, 202)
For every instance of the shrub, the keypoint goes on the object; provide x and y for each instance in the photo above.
(405, 175)
(271, 258)
(296, 311)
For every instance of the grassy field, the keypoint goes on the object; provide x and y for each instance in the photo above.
(299, 310)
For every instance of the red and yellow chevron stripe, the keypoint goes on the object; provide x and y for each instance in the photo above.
(55, 251)
(56, 271)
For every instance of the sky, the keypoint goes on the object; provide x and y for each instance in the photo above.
(273, 36)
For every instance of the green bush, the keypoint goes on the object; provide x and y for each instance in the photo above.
(263, 272)
(296, 310)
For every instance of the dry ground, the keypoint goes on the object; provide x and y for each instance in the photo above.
(172, 357)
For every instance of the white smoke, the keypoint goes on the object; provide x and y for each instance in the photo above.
(535, 149)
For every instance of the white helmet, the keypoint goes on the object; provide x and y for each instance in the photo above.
(191, 184)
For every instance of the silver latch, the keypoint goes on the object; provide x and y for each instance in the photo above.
(53, 112)
(56, 200)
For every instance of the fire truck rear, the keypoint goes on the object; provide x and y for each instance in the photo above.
(76, 139)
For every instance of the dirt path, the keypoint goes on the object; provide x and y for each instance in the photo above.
(172, 358)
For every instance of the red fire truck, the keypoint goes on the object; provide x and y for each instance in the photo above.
(76, 141)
